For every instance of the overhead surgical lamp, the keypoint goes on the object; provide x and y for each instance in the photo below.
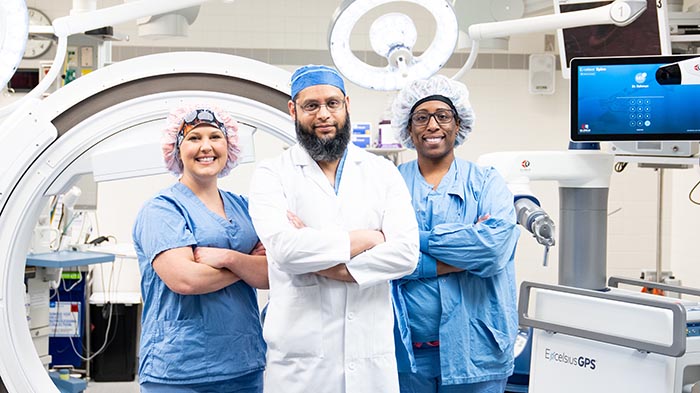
(14, 27)
(80, 22)
(397, 74)
(392, 36)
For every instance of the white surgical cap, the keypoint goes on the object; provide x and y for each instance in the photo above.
(437, 85)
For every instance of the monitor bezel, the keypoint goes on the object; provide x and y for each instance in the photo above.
(661, 8)
(574, 122)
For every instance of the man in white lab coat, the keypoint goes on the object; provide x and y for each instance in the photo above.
(338, 225)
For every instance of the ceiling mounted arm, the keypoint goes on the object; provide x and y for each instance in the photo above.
(78, 23)
(619, 12)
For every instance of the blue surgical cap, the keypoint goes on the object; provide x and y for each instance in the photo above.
(312, 75)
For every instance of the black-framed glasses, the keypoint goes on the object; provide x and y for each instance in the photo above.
(312, 107)
(422, 118)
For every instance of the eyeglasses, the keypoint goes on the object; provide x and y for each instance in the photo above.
(422, 118)
(332, 105)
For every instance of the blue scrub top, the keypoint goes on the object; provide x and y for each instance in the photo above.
(189, 339)
(473, 313)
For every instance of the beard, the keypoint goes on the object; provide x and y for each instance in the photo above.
(322, 149)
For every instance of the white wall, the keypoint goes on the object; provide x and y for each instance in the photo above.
(508, 118)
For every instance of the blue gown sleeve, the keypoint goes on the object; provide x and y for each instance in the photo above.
(483, 249)
(426, 268)
(159, 227)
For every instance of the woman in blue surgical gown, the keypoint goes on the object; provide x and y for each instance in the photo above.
(200, 261)
(456, 313)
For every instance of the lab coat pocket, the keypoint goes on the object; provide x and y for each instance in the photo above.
(293, 322)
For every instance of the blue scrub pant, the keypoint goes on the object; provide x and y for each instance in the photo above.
(427, 379)
(248, 383)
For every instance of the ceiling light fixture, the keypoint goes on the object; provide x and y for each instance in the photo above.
(392, 36)
(396, 46)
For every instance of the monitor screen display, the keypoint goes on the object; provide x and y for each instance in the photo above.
(646, 36)
(635, 98)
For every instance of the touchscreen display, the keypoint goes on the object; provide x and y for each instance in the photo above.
(623, 99)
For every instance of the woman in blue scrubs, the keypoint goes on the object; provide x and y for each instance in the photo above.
(456, 314)
(200, 261)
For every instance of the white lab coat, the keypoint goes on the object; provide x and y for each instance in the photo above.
(325, 335)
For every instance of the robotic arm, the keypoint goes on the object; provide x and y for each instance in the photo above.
(535, 220)
(580, 169)
(531, 216)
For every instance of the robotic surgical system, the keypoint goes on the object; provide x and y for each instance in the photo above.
(588, 334)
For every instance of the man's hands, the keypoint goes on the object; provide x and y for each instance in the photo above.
(295, 221)
(360, 240)
(337, 272)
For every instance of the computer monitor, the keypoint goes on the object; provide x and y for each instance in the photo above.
(634, 99)
(648, 35)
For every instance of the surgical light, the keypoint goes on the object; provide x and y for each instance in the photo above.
(14, 28)
(392, 36)
(402, 69)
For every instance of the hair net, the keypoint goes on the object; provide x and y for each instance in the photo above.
(455, 91)
(312, 75)
(175, 123)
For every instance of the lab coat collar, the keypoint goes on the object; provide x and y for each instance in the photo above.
(300, 156)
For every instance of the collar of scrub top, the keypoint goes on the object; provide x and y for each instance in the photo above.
(339, 171)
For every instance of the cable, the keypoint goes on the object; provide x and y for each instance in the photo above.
(690, 194)
(78, 281)
(107, 340)
(104, 344)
